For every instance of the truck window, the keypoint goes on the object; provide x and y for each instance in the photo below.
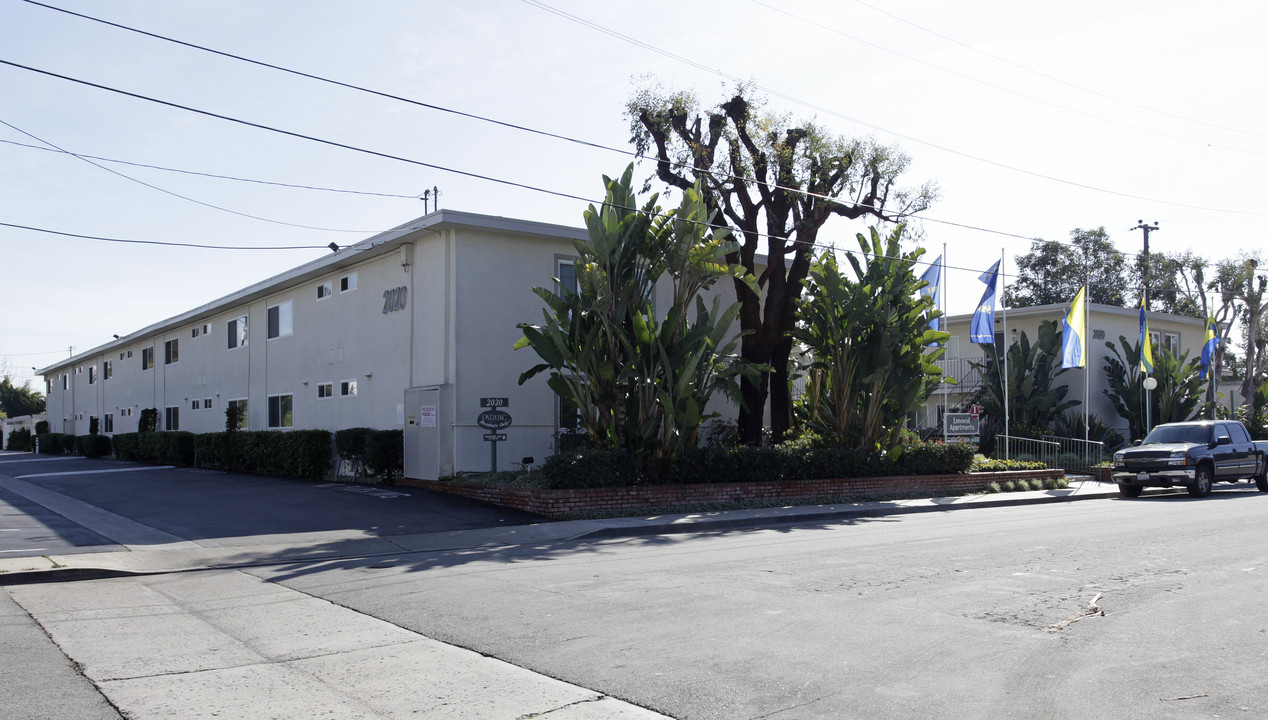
(1238, 433)
(1196, 434)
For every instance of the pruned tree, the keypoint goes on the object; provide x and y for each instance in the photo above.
(775, 184)
(1052, 272)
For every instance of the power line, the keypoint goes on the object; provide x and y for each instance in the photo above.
(291, 133)
(1000, 88)
(207, 174)
(1057, 79)
(158, 242)
(647, 46)
(99, 166)
(829, 111)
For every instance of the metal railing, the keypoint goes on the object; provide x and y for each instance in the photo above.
(1071, 454)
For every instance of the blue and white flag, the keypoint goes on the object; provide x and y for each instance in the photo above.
(982, 331)
(933, 276)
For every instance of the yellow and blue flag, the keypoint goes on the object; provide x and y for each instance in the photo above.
(1146, 346)
(1209, 344)
(1073, 346)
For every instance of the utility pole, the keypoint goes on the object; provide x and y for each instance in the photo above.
(1146, 228)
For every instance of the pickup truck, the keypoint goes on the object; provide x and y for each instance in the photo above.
(1195, 455)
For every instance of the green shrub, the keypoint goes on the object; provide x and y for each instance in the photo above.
(19, 439)
(789, 461)
(350, 443)
(41, 427)
(591, 468)
(92, 446)
(385, 454)
(50, 443)
(984, 464)
(295, 453)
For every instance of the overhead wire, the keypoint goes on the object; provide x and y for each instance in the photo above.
(1056, 79)
(536, 3)
(169, 192)
(208, 174)
(386, 156)
(970, 78)
(829, 111)
(543, 6)
(160, 242)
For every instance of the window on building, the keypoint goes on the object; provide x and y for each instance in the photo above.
(348, 388)
(172, 418)
(1171, 341)
(280, 411)
(325, 390)
(281, 320)
(147, 358)
(568, 418)
(238, 332)
(65, 381)
(171, 351)
(324, 290)
(125, 412)
(92, 374)
(567, 274)
(196, 331)
(193, 404)
(107, 369)
(207, 403)
(107, 423)
(348, 282)
(241, 405)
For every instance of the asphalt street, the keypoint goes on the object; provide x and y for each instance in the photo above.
(988, 613)
(355, 602)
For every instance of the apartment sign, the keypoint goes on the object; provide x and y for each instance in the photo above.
(961, 424)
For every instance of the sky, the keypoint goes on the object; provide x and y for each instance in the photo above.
(1033, 119)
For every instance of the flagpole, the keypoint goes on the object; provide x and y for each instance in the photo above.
(942, 301)
(1003, 307)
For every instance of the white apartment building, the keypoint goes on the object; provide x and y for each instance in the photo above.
(1106, 323)
(410, 329)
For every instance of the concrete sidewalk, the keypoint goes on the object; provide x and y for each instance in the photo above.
(225, 644)
(149, 551)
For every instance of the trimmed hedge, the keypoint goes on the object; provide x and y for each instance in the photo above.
(613, 468)
(20, 439)
(92, 446)
(385, 454)
(53, 443)
(295, 453)
(174, 447)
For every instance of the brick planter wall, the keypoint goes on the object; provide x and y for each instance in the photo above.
(557, 503)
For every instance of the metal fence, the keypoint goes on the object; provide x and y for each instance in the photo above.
(1071, 454)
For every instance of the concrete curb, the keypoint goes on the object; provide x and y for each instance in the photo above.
(143, 560)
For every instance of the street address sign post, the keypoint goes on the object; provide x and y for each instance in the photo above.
(494, 419)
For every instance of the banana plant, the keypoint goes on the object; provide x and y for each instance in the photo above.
(642, 381)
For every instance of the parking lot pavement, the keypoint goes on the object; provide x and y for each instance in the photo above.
(131, 504)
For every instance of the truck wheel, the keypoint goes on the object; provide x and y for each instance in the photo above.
(1130, 491)
(1201, 486)
(1261, 482)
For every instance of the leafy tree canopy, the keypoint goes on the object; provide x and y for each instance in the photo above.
(17, 401)
(1052, 272)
